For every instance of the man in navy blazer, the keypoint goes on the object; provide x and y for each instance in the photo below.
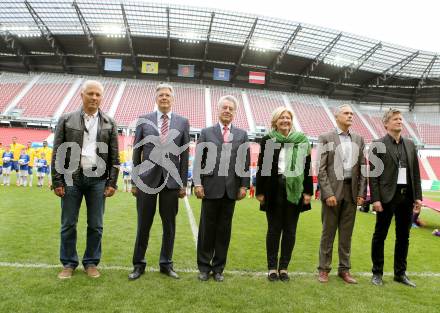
(221, 176)
(160, 167)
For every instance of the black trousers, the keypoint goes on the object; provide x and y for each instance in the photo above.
(401, 207)
(214, 234)
(146, 209)
(282, 220)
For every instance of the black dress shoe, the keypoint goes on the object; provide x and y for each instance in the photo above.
(377, 280)
(284, 276)
(403, 279)
(137, 272)
(218, 277)
(169, 272)
(203, 276)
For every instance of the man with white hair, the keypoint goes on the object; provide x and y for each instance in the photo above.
(160, 170)
(220, 188)
(343, 186)
(85, 163)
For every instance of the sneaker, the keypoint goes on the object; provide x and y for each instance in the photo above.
(92, 271)
(66, 273)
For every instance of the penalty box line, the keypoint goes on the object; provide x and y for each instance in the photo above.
(18, 265)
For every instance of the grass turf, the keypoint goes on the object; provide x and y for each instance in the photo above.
(29, 233)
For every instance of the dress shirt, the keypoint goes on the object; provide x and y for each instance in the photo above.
(88, 152)
(347, 151)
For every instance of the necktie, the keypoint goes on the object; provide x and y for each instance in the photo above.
(164, 128)
(225, 134)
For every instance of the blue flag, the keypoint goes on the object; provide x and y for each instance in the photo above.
(221, 74)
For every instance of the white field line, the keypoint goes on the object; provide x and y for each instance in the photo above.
(192, 220)
(193, 270)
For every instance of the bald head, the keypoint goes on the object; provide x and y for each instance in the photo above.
(91, 95)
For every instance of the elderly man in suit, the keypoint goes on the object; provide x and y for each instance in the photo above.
(395, 190)
(86, 142)
(222, 151)
(343, 186)
(160, 161)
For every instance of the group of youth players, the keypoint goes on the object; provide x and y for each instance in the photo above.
(23, 160)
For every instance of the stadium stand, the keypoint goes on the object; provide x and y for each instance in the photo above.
(23, 135)
(306, 107)
(190, 102)
(240, 118)
(262, 104)
(358, 125)
(45, 95)
(42, 100)
(435, 164)
(428, 126)
(137, 99)
(10, 85)
(374, 119)
(110, 88)
(423, 173)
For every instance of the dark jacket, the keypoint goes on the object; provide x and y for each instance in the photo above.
(70, 128)
(383, 187)
(268, 185)
(215, 183)
(147, 126)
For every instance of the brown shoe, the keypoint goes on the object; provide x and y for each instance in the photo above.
(347, 278)
(66, 273)
(92, 271)
(323, 277)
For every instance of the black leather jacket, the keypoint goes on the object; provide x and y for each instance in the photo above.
(70, 129)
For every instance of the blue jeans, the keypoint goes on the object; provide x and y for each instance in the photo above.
(92, 189)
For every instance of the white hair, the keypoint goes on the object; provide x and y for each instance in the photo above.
(165, 86)
(339, 109)
(90, 82)
(230, 99)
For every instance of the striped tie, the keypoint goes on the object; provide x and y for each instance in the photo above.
(164, 128)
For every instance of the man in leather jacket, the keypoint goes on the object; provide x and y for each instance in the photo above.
(85, 163)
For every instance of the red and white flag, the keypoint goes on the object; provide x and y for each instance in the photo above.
(257, 78)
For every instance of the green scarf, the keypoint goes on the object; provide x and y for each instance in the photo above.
(300, 148)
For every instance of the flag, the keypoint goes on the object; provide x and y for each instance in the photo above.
(185, 70)
(257, 78)
(221, 74)
(150, 67)
(113, 65)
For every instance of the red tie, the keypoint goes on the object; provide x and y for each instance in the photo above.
(225, 134)
(164, 128)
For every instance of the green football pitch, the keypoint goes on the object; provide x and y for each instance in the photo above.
(29, 244)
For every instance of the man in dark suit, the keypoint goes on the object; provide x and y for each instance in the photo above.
(343, 186)
(395, 188)
(219, 186)
(86, 142)
(160, 161)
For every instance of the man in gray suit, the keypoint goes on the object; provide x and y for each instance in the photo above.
(395, 190)
(222, 151)
(160, 161)
(343, 186)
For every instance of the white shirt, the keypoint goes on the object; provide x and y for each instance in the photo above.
(347, 151)
(282, 161)
(160, 120)
(88, 152)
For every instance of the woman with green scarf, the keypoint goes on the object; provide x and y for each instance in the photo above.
(284, 188)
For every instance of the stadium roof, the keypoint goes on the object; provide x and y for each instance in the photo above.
(75, 36)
